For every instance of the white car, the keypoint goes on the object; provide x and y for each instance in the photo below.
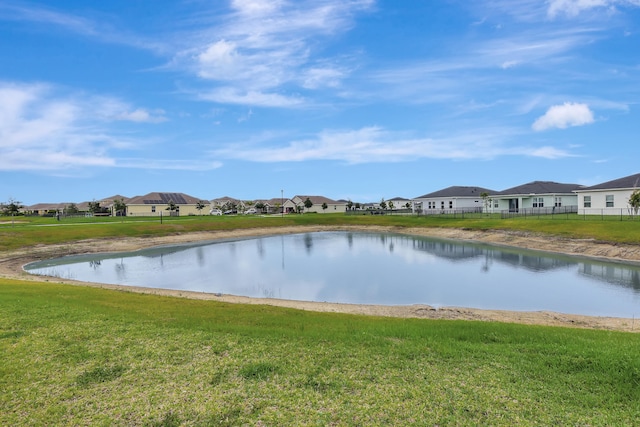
(215, 212)
(250, 211)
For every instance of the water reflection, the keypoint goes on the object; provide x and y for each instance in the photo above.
(374, 269)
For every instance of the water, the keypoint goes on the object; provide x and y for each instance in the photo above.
(371, 268)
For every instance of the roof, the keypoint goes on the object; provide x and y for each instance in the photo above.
(47, 206)
(163, 199)
(397, 199)
(458, 191)
(110, 200)
(318, 200)
(628, 182)
(541, 187)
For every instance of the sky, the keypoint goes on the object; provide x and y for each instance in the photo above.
(348, 99)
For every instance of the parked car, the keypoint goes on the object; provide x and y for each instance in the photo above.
(250, 211)
(215, 212)
(230, 212)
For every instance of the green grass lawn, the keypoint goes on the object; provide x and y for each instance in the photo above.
(29, 231)
(85, 356)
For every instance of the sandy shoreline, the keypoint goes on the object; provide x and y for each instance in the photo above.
(11, 267)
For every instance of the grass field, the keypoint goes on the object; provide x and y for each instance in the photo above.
(86, 356)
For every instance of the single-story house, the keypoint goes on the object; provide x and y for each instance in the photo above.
(399, 203)
(157, 204)
(227, 204)
(455, 198)
(297, 204)
(537, 197)
(270, 206)
(45, 208)
(608, 198)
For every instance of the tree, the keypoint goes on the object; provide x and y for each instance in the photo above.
(383, 204)
(349, 204)
(11, 208)
(485, 201)
(391, 205)
(119, 207)
(324, 206)
(308, 203)
(260, 207)
(200, 205)
(94, 207)
(407, 205)
(71, 209)
(634, 201)
(171, 207)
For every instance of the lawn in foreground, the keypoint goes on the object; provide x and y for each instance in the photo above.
(87, 356)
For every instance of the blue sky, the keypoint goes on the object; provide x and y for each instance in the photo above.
(358, 99)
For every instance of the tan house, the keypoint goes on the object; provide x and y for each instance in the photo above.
(227, 204)
(157, 204)
(270, 206)
(297, 204)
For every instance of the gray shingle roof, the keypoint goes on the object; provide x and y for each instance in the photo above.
(628, 182)
(541, 187)
(458, 191)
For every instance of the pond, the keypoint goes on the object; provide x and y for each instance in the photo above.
(370, 268)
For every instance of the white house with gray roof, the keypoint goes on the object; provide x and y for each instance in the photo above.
(455, 198)
(608, 198)
(537, 197)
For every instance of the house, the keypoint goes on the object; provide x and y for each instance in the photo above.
(46, 209)
(269, 206)
(157, 204)
(537, 197)
(227, 203)
(297, 204)
(455, 198)
(399, 203)
(109, 203)
(608, 198)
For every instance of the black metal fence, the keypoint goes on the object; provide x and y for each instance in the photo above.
(537, 212)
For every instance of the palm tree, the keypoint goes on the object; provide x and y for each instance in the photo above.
(200, 205)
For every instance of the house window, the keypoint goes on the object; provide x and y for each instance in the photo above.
(153, 209)
(432, 205)
(495, 204)
(538, 202)
(587, 201)
(450, 204)
(558, 202)
(609, 200)
(442, 205)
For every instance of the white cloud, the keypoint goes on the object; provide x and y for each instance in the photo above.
(229, 95)
(42, 129)
(572, 8)
(549, 153)
(265, 46)
(141, 115)
(563, 116)
(50, 17)
(374, 144)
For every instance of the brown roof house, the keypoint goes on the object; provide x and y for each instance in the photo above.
(174, 204)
